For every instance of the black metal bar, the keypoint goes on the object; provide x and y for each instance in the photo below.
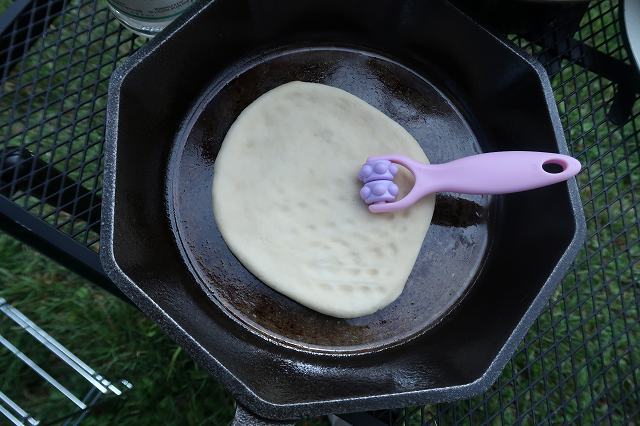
(549, 57)
(622, 105)
(560, 44)
(43, 181)
(588, 57)
(11, 14)
(53, 243)
(361, 419)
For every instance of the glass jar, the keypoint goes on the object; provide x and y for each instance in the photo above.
(148, 17)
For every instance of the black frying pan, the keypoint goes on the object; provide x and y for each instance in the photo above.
(403, 95)
(475, 288)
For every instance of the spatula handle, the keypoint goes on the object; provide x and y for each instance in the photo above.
(497, 173)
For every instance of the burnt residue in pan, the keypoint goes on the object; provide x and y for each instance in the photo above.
(458, 212)
(450, 257)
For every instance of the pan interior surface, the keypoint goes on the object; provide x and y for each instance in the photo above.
(449, 260)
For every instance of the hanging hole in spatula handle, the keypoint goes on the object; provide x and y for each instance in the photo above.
(554, 166)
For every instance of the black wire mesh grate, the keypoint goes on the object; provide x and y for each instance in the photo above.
(52, 111)
(580, 362)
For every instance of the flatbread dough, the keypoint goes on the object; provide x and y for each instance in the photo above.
(286, 199)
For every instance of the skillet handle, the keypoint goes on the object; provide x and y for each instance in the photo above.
(244, 417)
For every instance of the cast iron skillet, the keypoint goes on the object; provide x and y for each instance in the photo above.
(403, 95)
(485, 270)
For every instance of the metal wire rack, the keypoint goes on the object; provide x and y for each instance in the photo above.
(580, 362)
(69, 408)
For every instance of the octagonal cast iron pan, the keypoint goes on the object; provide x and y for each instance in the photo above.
(467, 235)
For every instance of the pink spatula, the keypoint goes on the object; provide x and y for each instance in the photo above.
(491, 173)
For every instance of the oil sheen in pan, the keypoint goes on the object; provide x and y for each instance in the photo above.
(449, 260)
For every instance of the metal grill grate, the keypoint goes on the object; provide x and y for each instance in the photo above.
(579, 363)
(63, 383)
(52, 110)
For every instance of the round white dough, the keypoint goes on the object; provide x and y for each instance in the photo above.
(286, 199)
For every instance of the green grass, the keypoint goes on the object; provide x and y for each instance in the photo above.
(111, 336)
(583, 329)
